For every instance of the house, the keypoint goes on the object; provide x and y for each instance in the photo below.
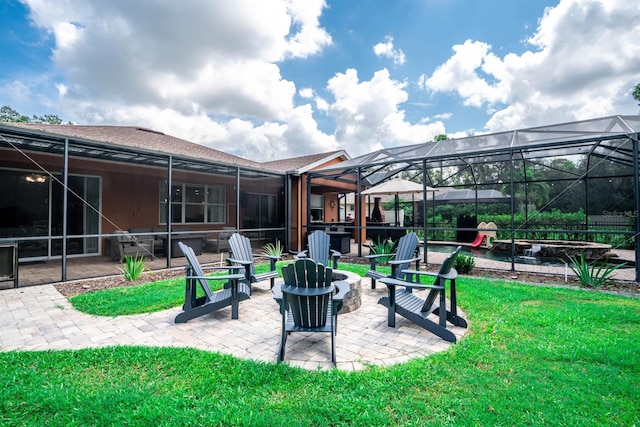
(125, 178)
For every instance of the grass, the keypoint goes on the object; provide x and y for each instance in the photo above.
(533, 356)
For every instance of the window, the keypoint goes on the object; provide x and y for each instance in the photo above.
(317, 207)
(193, 204)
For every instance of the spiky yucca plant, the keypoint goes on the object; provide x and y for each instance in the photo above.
(592, 275)
(133, 267)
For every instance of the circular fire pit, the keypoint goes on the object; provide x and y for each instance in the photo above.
(353, 298)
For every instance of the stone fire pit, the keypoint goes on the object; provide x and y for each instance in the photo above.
(353, 299)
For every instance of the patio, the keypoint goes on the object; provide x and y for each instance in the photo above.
(40, 318)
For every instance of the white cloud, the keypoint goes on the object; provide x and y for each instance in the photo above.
(306, 92)
(387, 50)
(312, 37)
(585, 56)
(367, 113)
(185, 68)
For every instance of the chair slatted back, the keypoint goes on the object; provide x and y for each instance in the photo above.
(447, 264)
(406, 248)
(308, 311)
(447, 272)
(195, 268)
(319, 244)
(241, 249)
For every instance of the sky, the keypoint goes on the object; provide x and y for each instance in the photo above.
(272, 79)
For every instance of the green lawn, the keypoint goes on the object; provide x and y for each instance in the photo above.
(533, 356)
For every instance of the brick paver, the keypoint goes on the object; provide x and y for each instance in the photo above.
(40, 318)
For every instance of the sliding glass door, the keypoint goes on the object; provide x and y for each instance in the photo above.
(31, 213)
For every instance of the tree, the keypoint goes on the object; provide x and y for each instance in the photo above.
(8, 114)
(636, 93)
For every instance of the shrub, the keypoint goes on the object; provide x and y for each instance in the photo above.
(464, 263)
(592, 276)
(133, 267)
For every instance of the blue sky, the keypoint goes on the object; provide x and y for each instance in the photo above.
(268, 79)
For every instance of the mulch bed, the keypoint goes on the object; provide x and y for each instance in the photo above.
(69, 289)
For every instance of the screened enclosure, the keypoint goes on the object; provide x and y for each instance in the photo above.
(571, 182)
(70, 196)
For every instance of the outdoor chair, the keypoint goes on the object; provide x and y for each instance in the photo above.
(406, 253)
(242, 254)
(319, 249)
(126, 244)
(412, 307)
(195, 306)
(307, 302)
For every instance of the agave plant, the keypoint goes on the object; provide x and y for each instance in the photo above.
(273, 249)
(133, 267)
(383, 246)
(592, 275)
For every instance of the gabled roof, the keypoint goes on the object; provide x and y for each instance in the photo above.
(149, 141)
(302, 164)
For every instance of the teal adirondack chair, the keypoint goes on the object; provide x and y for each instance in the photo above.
(402, 300)
(319, 249)
(242, 254)
(308, 302)
(406, 253)
(231, 295)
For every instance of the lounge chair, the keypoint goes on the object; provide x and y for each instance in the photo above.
(195, 306)
(307, 301)
(319, 249)
(406, 253)
(242, 254)
(409, 305)
(127, 244)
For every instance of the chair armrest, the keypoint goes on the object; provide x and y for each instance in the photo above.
(239, 261)
(373, 259)
(307, 292)
(412, 285)
(375, 256)
(265, 256)
(222, 277)
(228, 267)
(343, 288)
(402, 261)
(418, 273)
